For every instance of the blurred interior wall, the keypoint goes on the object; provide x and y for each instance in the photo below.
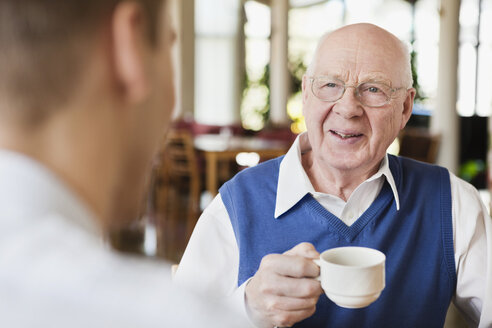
(183, 13)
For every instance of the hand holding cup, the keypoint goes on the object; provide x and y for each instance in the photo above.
(284, 289)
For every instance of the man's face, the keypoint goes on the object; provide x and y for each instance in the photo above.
(162, 99)
(346, 135)
(150, 122)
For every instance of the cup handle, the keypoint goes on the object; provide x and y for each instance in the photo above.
(318, 263)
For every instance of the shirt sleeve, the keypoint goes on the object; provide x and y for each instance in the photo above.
(473, 254)
(210, 263)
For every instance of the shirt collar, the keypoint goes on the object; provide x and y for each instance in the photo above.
(294, 184)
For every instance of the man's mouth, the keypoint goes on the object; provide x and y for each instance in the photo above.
(345, 136)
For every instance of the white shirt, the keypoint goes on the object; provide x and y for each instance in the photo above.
(213, 253)
(55, 271)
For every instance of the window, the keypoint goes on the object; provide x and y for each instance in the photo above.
(255, 102)
(475, 58)
(216, 56)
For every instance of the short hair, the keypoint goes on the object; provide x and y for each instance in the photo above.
(42, 46)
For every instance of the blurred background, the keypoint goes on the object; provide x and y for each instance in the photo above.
(239, 65)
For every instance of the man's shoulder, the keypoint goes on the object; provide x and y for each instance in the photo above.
(400, 164)
(254, 182)
(412, 162)
(264, 168)
(94, 285)
(80, 255)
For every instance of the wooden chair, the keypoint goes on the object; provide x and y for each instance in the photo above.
(177, 189)
(419, 144)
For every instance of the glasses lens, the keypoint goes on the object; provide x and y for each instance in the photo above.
(374, 94)
(327, 89)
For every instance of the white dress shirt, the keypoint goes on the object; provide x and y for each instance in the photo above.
(211, 260)
(55, 271)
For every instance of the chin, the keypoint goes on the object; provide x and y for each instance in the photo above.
(348, 163)
(344, 166)
(344, 159)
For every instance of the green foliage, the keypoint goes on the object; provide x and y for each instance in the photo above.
(471, 169)
(419, 97)
(296, 67)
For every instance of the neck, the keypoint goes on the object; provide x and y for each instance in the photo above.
(340, 183)
(76, 149)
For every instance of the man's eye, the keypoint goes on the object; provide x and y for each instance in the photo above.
(372, 89)
(330, 85)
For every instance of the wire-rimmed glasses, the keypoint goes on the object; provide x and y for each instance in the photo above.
(370, 94)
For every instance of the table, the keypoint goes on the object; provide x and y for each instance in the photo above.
(216, 148)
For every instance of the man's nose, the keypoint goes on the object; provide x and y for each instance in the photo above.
(348, 106)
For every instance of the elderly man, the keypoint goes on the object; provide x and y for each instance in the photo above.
(336, 186)
(86, 92)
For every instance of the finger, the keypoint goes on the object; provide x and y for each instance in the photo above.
(305, 250)
(297, 287)
(291, 266)
(289, 287)
(284, 303)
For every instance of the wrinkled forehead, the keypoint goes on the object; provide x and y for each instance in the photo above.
(355, 60)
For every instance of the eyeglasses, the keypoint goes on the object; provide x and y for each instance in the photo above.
(370, 94)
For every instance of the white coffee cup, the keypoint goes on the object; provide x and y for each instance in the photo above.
(352, 277)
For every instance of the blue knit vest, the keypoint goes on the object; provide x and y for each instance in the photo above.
(417, 241)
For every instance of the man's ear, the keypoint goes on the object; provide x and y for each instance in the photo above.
(305, 88)
(407, 107)
(129, 51)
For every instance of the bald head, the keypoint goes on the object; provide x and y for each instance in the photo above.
(365, 45)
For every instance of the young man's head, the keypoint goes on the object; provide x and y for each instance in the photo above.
(42, 48)
(86, 88)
